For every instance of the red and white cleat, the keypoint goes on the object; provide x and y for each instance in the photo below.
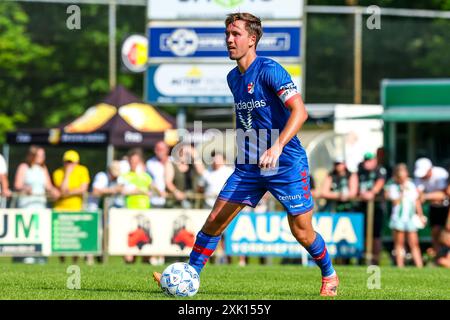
(329, 286)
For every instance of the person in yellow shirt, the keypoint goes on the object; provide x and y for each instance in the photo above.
(72, 180)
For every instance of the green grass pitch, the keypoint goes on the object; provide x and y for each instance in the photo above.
(116, 280)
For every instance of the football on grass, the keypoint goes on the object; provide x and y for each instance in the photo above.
(180, 280)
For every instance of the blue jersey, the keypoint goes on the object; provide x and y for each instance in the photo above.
(260, 95)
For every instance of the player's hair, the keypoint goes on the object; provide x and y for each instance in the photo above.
(252, 23)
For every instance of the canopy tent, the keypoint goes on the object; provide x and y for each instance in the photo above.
(119, 120)
(128, 121)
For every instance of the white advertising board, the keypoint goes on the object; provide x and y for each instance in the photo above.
(218, 9)
(168, 232)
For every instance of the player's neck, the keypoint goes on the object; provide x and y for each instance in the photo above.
(245, 62)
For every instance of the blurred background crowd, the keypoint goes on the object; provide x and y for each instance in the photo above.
(401, 201)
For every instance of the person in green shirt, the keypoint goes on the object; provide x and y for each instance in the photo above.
(136, 184)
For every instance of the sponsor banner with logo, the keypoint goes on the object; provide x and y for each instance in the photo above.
(207, 40)
(168, 232)
(196, 84)
(268, 234)
(218, 9)
(25, 232)
(76, 232)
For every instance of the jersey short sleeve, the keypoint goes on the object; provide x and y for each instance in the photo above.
(279, 80)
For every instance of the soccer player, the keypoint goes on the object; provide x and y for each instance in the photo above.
(268, 108)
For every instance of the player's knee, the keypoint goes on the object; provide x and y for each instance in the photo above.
(302, 237)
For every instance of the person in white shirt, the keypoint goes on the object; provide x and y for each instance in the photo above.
(106, 185)
(4, 185)
(155, 168)
(407, 215)
(213, 180)
(432, 182)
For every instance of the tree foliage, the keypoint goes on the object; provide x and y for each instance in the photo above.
(50, 74)
(404, 47)
(19, 57)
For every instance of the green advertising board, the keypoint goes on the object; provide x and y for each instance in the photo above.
(76, 232)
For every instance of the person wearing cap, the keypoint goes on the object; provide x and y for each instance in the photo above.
(371, 181)
(72, 180)
(432, 183)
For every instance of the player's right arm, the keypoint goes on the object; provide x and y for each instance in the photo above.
(279, 80)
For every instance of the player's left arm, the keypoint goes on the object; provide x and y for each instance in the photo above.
(296, 120)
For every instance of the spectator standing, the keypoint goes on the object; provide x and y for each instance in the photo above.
(106, 184)
(432, 183)
(443, 256)
(72, 181)
(135, 186)
(180, 177)
(4, 184)
(156, 168)
(340, 188)
(371, 181)
(405, 206)
(212, 180)
(33, 181)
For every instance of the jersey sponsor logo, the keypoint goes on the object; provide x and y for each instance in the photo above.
(245, 108)
(289, 197)
(250, 105)
(287, 91)
(251, 87)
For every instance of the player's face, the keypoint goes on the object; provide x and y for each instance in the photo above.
(239, 42)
